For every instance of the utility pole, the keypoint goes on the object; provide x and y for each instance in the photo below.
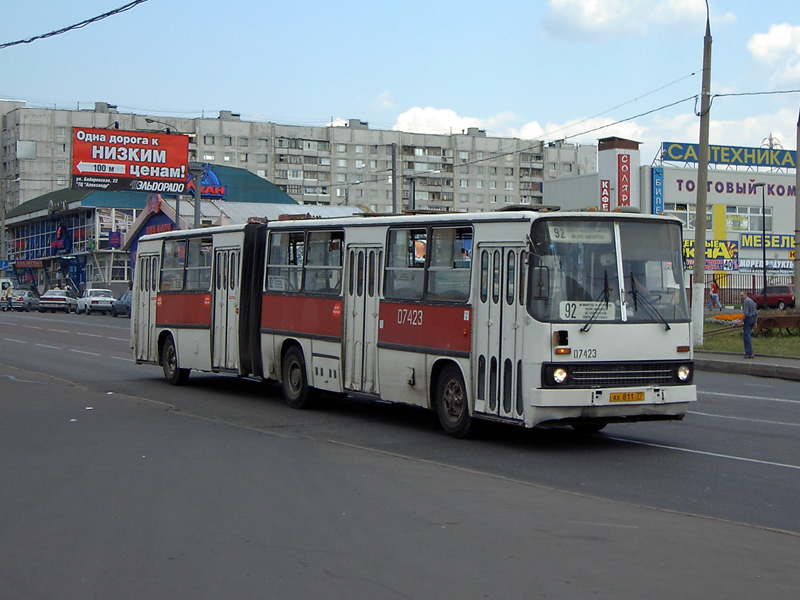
(699, 283)
(394, 175)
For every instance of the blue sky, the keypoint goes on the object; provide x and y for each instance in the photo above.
(532, 69)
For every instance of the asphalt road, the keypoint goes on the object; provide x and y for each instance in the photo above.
(116, 485)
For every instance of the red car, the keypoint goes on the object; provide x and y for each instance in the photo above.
(778, 296)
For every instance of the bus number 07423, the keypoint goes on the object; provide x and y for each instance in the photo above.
(407, 316)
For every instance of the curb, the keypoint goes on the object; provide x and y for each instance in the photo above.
(747, 367)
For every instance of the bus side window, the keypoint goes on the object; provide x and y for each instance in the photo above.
(450, 264)
(285, 261)
(173, 265)
(198, 268)
(405, 268)
(323, 266)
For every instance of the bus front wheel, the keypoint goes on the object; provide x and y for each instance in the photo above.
(296, 390)
(451, 403)
(173, 373)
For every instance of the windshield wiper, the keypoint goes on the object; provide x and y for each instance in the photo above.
(598, 303)
(647, 305)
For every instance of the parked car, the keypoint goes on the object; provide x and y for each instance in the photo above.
(122, 306)
(778, 296)
(95, 300)
(24, 300)
(28, 286)
(54, 300)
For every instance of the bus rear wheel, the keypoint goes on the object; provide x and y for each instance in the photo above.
(294, 382)
(451, 403)
(173, 373)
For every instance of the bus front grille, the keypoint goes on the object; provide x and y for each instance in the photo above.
(615, 374)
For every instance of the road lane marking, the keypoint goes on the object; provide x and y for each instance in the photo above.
(120, 339)
(90, 334)
(744, 397)
(46, 346)
(705, 453)
(121, 358)
(691, 412)
(13, 340)
(60, 330)
(83, 352)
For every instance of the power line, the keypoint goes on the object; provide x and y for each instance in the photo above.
(111, 13)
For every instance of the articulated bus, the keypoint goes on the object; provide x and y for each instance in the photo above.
(534, 318)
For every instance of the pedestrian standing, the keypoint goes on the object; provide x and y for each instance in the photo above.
(750, 312)
(713, 297)
(9, 298)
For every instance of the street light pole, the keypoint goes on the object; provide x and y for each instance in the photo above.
(412, 180)
(196, 169)
(763, 241)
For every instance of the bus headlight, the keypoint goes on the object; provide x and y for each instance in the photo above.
(684, 373)
(559, 375)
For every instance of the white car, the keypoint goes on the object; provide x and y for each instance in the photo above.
(54, 300)
(95, 300)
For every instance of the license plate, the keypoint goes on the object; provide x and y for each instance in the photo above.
(627, 397)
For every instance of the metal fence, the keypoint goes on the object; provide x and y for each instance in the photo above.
(730, 284)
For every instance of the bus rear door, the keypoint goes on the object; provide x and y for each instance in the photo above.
(144, 311)
(225, 323)
(498, 332)
(361, 319)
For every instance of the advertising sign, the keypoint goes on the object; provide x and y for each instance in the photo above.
(605, 195)
(139, 161)
(774, 266)
(721, 255)
(730, 155)
(624, 180)
(775, 241)
(657, 191)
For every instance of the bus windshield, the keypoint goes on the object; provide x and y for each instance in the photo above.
(606, 271)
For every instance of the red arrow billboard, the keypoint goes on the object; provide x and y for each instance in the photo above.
(139, 161)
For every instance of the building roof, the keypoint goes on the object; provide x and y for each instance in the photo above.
(241, 184)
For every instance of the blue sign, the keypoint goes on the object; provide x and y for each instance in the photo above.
(730, 155)
(657, 192)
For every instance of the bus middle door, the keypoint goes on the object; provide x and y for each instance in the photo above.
(225, 318)
(144, 312)
(361, 319)
(498, 331)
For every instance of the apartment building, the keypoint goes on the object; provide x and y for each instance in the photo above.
(336, 165)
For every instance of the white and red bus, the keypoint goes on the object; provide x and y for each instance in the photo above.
(524, 317)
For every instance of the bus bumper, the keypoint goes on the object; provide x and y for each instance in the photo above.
(610, 405)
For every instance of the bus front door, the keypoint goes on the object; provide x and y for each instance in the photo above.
(498, 324)
(225, 321)
(361, 319)
(144, 312)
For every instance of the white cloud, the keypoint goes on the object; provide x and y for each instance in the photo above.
(649, 132)
(385, 101)
(437, 121)
(591, 17)
(626, 18)
(780, 49)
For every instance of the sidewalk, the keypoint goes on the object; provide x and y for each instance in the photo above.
(780, 367)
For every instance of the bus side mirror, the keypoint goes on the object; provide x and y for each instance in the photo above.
(539, 283)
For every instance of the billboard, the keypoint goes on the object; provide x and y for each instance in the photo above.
(721, 255)
(138, 161)
(729, 155)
